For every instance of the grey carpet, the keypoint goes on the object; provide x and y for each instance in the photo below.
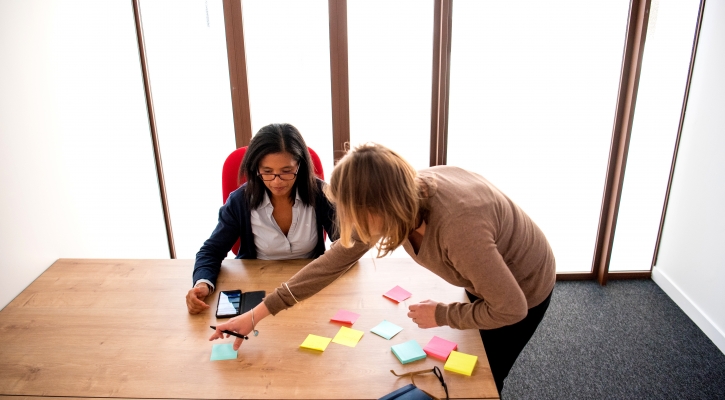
(625, 340)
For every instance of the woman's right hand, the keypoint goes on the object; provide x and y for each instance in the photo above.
(195, 299)
(241, 324)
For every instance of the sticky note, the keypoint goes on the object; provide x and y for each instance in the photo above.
(439, 348)
(397, 294)
(223, 352)
(461, 363)
(315, 342)
(348, 337)
(386, 329)
(344, 316)
(408, 352)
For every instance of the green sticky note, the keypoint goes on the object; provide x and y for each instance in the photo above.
(348, 337)
(408, 352)
(386, 329)
(223, 352)
(461, 363)
(315, 342)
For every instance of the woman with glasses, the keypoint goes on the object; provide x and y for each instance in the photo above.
(451, 221)
(279, 213)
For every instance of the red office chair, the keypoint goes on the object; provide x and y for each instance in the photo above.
(231, 180)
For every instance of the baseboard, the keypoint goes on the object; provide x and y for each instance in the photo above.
(692, 310)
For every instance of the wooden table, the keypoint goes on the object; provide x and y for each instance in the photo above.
(120, 328)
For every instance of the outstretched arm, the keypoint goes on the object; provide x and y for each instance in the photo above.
(316, 275)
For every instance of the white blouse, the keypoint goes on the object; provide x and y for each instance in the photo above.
(271, 242)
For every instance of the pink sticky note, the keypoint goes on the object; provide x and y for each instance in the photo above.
(344, 316)
(397, 293)
(439, 348)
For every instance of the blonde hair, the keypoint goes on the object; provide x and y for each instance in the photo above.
(374, 180)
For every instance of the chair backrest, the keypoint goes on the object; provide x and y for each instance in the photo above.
(231, 180)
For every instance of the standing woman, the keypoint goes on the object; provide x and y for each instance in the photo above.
(279, 213)
(451, 221)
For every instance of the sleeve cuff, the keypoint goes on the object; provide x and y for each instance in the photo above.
(441, 314)
(275, 303)
(211, 285)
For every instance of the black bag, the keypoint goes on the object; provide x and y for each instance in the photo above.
(408, 392)
(412, 392)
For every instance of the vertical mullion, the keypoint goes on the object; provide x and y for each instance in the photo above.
(686, 97)
(237, 60)
(339, 82)
(152, 126)
(442, 17)
(624, 115)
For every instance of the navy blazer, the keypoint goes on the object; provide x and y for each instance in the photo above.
(235, 222)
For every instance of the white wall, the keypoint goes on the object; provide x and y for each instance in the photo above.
(77, 176)
(691, 263)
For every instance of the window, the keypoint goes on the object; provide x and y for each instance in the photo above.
(532, 97)
(390, 61)
(187, 63)
(654, 132)
(288, 69)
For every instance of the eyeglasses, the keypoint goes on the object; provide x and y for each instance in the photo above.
(435, 371)
(285, 176)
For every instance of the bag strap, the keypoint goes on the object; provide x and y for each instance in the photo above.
(434, 370)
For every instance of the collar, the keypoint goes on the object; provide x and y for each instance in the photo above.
(266, 202)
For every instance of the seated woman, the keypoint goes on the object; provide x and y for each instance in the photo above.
(279, 213)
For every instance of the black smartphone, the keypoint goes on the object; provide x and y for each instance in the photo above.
(229, 303)
(233, 302)
(251, 299)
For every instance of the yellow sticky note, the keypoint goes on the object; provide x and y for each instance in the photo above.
(315, 342)
(461, 363)
(348, 337)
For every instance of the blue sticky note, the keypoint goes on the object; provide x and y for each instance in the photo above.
(408, 352)
(223, 352)
(386, 329)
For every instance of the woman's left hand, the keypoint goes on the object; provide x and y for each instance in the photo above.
(424, 314)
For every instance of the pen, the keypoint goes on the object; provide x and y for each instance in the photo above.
(231, 333)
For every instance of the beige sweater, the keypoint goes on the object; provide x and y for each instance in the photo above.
(475, 238)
